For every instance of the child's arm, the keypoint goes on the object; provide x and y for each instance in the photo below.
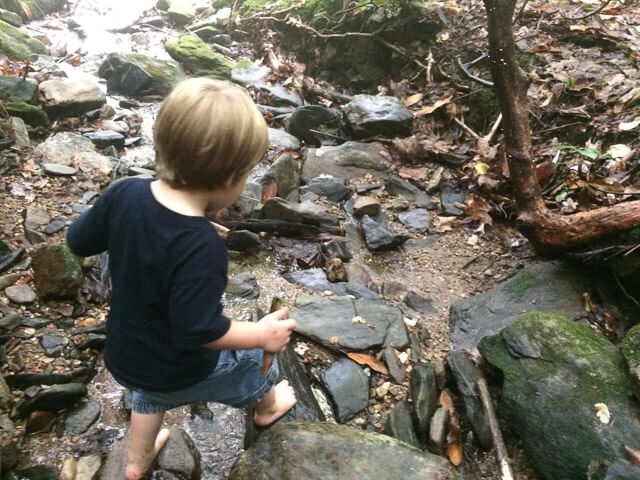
(88, 234)
(271, 333)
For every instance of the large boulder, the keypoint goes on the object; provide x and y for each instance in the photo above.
(550, 287)
(559, 377)
(57, 272)
(136, 74)
(198, 57)
(347, 161)
(324, 451)
(64, 97)
(370, 115)
(17, 44)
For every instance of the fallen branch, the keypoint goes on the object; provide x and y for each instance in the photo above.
(282, 227)
(465, 69)
(494, 427)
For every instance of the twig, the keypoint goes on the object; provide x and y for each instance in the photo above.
(494, 427)
(473, 260)
(624, 291)
(595, 12)
(517, 17)
(494, 129)
(468, 130)
(470, 75)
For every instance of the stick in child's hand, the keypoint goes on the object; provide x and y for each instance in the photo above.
(267, 360)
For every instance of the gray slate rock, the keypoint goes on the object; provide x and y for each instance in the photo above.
(398, 187)
(54, 399)
(370, 115)
(378, 237)
(20, 294)
(425, 394)
(105, 138)
(10, 321)
(323, 318)
(54, 227)
(347, 161)
(555, 287)
(82, 418)
(38, 472)
(400, 424)
(286, 173)
(450, 195)
(180, 455)
(555, 371)
(316, 279)
(53, 344)
(466, 375)
(65, 97)
(396, 370)
(323, 451)
(243, 285)
(249, 204)
(8, 260)
(630, 349)
(348, 388)
(278, 209)
(312, 117)
(283, 140)
(417, 220)
(332, 188)
(35, 216)
(242, 240)
(17, 89)
(418, 303)
(57, 170)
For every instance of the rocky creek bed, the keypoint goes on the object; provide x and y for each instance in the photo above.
(402, 302)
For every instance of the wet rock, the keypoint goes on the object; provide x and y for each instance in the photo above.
(630, 349)
(377, 237)
(53, 399)
(283, 140)
(198, 57)
(278, 209)
(316, 279)
(370, 115)
(557, 370)
(10, 321)
(242, 240)
(82, 418)
(34, 237)
(418, 220)
(452, 199)
(285, 172)
(136, 74)
(20, 294)
(16, 89)
(54, 227)
(337, 249)
(20, 133)
(396, 370)
(105, 138)
(248, 73)
(330, 321)
(282, 95)
(347, 161)
(57, 272)
(8, 260)
(400, 425)
(222, 39)
(623, 470)
(249, 204)
(332, 188)
(425, 393)
(466, 375)
(93, 340)
(57, 170)
(32, 115)
(17, 44)
(5, 393)
(366, 206)
(21, 381)
(331, 452)
(180, 455)
(395, 186)
(65, 97)
(35, 322)
(438, 428)
(40, 421)
(207, 32)
(35, 217)
(348, 388)
(38, 472)
(88, 467)
(243, 285)
(418, 303)
(181, 13)
(555, 287)
(53, 344)
(312, 117)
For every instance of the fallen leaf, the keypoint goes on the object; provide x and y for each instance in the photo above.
(603, 413)
(371, 326)
(431, 108)
(333, 340)
(619, 151)
(413, 99)
(627, 126)
(633, 455)
(358, 319)
(372, 362)
(447, 402)
(270, 191)
(454, 452)
(482, 168)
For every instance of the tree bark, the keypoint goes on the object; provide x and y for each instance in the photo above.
(549, 232)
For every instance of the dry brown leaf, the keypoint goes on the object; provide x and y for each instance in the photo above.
(447, 402)
(633, 455)
(333, 340)
(413, 99)
(431, 108)
(454, 452)
(270, 191)
(372, 362)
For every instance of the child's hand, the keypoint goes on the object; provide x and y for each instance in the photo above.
(276, 330)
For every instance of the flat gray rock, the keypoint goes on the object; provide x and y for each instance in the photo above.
(348, 387)
(282, 139)
(347, 161)
(370, 115)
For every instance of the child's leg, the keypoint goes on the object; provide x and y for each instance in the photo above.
(280, 399)
(146, 441)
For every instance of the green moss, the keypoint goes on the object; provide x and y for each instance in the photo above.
(306, 12)
(31, 114)
(33, 9)
(16, 44)
(527, 60)
(198, 57)
(521, 283)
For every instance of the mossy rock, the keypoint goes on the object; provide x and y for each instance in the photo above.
(57, 271)
(31, 114)
(198, 57)
(631, 351)
(17, 44)
(33, 9)
(555, 371)
(16, 89)
(306, 12)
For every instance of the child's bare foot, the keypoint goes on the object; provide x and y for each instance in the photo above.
(278, 401)
(137, 467)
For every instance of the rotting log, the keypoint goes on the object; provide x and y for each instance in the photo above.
(548, 231)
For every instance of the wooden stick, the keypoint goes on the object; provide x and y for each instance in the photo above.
(494, 427)
(267, 358)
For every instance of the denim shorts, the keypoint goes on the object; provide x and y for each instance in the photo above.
(237, 381)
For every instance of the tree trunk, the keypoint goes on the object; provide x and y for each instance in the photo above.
(548, 231)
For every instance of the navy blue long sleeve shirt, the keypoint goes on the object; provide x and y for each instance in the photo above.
(168, 273)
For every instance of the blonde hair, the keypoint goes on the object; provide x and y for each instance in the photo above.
(207, 132)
